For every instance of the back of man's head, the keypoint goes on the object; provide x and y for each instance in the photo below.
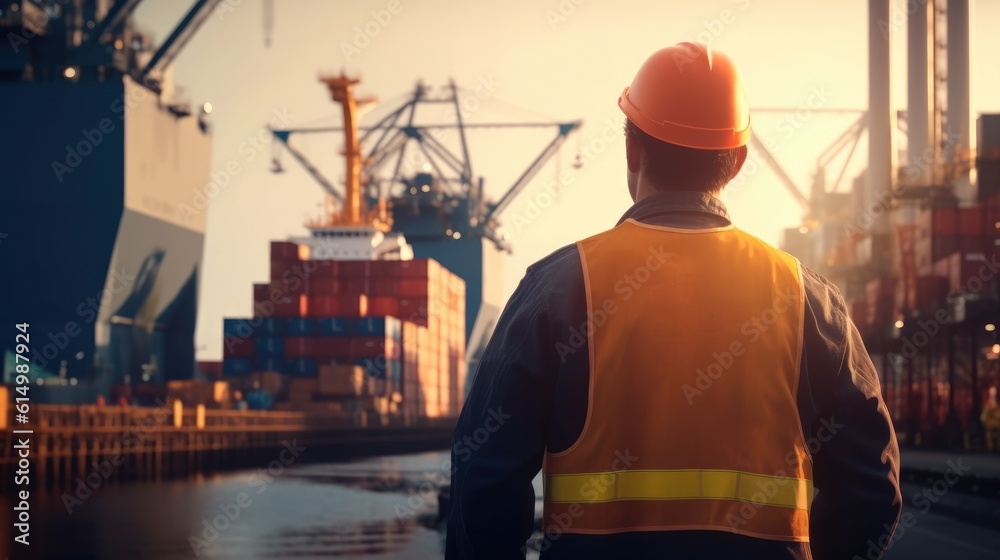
(688, 116)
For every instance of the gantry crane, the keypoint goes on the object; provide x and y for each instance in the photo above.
(442, 208)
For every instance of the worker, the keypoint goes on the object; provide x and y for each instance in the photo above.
(991, 420)
(687, 390)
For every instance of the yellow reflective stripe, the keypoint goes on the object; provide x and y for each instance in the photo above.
(691, 484)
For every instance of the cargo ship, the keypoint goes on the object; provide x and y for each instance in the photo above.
(102, 213)
(351, 325)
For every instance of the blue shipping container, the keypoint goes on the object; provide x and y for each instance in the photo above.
(335, 326)
(271, 364)
(259, 400)
(272, 325)
(301, 326)
(378, 326)
(301, 367)
(240, 328)
(269, 347)
(237, 366)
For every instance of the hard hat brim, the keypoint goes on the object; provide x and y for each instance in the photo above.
(681, 135)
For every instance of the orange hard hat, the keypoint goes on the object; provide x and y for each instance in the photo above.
(691, 96)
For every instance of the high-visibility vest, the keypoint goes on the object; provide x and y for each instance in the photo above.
(695, 342)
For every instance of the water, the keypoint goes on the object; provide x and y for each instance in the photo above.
(381, 508)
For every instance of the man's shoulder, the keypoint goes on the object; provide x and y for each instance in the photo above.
(563, 262)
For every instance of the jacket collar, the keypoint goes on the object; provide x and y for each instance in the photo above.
(679, 208)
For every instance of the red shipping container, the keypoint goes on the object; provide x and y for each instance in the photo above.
(261, 292)
(300, 347)
(419, 268)
(237, 347)
(943, 245)
(212, 370)
(354, 269)
(373, 347)
(323, 286)
(332, 347)
(325, 269)
(414, 310)
(383, 305)
(355, 286)
(294, 286)
(414, 287)
(968, 272)
(281, 267)
(968, 243)
(942, 221)
(338, 306)
(384, 286)
(970, 221)
(384, 269)
(287, 309)
(930, 291)
(284, 250)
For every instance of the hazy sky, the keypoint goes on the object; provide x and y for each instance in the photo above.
(549, 59)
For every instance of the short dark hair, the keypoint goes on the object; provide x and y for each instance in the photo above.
(677, 168)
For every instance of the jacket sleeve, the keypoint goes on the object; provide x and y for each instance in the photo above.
(499, 441)
(853, 444)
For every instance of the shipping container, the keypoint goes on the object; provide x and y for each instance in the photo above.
(237, 366)
(269, 346)
(971, 243)
(237, 327)
(419, 268)
(334, 326)
(333, 347)
(373, 347)
(259, 400)
(273, 326)
(385, 286)
(325, 269)
(355, 286)
(301, 326)
(237, 347)
(390, 327)
(340, 380)
(966, 272)
(383, 305)
(271, 381)
(291, 285)
(300, 347)
(193, 392)
(284, 250)
(261, 292)
(931, 291)
(354, 269)
(274, 364)
(388, 270)
(301, 367)
(970, 221)
(211, 369)
(381, 367)
(323, 286)
(938, 221)
(879, 295)
(285, 268)
(338, 306)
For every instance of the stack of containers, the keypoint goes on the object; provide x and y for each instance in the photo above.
(937, 236)
(991, 224)
(401, 322)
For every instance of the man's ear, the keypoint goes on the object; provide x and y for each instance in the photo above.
(741, 158)
(633, 153)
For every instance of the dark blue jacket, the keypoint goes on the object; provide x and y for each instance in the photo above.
(530, 394)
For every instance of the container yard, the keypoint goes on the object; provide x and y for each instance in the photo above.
(209, 356)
